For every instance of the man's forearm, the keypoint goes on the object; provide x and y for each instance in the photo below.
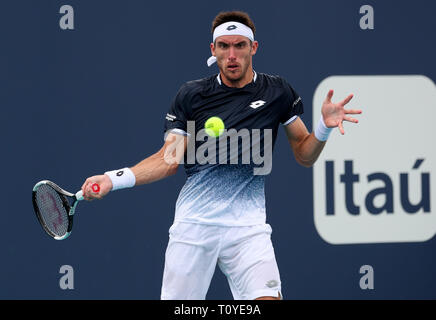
(308, 150)
(152, 169)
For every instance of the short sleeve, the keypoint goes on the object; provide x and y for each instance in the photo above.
(293, 105)
(176, 117)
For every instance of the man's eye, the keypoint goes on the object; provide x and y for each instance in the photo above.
(240, 45)
(223, 45)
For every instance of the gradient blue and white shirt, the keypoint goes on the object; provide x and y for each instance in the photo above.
(225, 189)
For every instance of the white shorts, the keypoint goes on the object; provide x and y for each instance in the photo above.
(244, 254)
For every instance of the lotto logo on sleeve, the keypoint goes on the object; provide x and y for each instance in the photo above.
(376, 184)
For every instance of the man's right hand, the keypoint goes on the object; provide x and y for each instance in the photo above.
(104, 183)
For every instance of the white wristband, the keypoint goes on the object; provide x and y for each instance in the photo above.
(121, 179)
(322, 132)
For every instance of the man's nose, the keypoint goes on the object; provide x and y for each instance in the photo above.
(232, 53)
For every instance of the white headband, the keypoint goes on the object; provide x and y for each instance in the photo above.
(231, 28)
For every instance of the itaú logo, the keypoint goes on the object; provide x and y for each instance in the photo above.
(376, 184)
(380, 198)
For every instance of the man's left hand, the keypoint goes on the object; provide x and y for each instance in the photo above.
(334, 113)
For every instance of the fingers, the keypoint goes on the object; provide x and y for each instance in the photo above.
(341, 128)
(353, 111)
(84, 185)
(87, 194)
(350, 119)
(95, 187)
(84, 188)
(329, 96)
(90, 192)
(346, 100)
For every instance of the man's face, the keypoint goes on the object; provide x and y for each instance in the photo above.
(234, 56)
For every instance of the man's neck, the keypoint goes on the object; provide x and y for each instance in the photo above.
(248, 78)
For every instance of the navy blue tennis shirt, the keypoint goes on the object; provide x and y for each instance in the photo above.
(262, 104)
(223, 189)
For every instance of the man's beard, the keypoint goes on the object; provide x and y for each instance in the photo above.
(239, 77)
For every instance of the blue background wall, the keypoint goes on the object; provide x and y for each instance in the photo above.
(79, 102)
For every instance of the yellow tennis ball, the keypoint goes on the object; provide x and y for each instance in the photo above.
(214, 126)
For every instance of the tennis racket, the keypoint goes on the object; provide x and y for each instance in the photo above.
(55, 207)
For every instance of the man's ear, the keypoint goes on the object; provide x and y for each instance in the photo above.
(254, 47)
(212, 49)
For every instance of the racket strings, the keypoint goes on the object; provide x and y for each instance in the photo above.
(52, 212)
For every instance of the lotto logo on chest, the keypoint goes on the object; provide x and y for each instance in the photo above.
(257, 104)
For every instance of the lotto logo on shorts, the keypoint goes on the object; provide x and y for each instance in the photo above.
(376, 184)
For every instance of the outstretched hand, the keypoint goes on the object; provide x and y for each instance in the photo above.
(334, 113)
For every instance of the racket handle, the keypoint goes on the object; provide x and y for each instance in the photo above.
(79, 195)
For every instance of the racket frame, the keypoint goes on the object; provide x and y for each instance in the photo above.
(71, 208)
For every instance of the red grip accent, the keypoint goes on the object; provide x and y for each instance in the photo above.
(95, 187)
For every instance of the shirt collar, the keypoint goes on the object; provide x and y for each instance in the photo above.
(218, 78)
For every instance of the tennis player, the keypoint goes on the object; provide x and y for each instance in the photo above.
(220, 212)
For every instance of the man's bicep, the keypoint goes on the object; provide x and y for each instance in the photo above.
(296, 132)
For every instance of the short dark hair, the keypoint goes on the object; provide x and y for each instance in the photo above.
(237, 16)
